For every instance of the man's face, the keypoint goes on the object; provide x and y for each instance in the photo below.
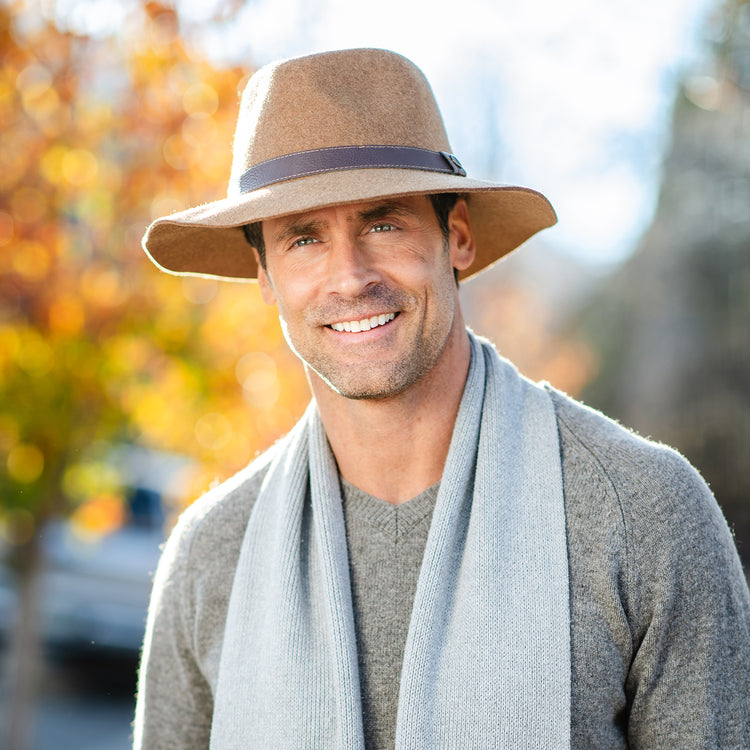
(366, 292)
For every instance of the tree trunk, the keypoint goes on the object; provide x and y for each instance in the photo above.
(24, 655)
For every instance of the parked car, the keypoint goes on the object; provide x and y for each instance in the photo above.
(93, 593)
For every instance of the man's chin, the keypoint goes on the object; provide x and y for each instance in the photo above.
(369, 387)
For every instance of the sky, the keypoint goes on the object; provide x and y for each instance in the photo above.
(571, 98)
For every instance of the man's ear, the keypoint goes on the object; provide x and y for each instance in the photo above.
(266, 290)
(460, 237)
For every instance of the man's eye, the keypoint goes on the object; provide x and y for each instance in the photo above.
(303, 241)
(383, 227)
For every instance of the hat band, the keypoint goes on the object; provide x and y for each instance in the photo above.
(316, 161)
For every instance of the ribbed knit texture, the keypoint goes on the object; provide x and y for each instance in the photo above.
(487, 659)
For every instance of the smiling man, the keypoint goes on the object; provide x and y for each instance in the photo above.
(440, 554)
(335, 272)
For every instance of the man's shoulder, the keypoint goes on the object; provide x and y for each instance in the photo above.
(649, 481)
(217, 519)
(603, 435)
(642, 505)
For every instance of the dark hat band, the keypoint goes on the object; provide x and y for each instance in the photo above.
(316, 161)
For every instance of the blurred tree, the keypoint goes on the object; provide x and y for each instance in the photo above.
(672, 327)
(524, 303)
(96, 346)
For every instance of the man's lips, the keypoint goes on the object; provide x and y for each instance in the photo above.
(365, 324)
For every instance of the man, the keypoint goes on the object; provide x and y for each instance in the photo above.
(440, 554)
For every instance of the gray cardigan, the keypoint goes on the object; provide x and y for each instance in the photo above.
(660, 610)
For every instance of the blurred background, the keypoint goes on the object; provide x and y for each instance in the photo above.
(125, 392)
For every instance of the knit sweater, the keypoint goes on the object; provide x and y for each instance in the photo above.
(660, 610)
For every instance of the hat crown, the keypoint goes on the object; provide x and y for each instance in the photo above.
(340, 98)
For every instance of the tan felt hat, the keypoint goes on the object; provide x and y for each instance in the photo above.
(331, 128)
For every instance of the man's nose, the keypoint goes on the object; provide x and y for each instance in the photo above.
(351, 269)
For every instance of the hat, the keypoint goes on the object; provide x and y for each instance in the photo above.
(331, 128)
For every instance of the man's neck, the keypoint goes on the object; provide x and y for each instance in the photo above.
(396, 448)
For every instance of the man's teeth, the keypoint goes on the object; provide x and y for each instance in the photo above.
(355, 326)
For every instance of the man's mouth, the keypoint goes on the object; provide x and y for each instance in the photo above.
(355, 326)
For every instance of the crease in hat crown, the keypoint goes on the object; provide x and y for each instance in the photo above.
(302, 113)
(347, 98)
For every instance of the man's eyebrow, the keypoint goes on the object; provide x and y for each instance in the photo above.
(312, 226)
(298, 228)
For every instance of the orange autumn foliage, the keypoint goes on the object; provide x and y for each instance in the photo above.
(98, 347)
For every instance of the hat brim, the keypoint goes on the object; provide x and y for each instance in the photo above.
(208, 240)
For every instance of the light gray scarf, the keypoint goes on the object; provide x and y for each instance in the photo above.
(487, 660)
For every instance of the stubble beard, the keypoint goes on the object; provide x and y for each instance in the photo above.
(384, 380)
(381, 379)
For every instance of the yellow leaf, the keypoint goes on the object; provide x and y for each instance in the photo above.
(25, 463)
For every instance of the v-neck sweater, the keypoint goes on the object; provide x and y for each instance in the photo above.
(386, 543)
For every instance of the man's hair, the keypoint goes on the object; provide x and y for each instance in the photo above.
(254, 236)
(442, 203)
